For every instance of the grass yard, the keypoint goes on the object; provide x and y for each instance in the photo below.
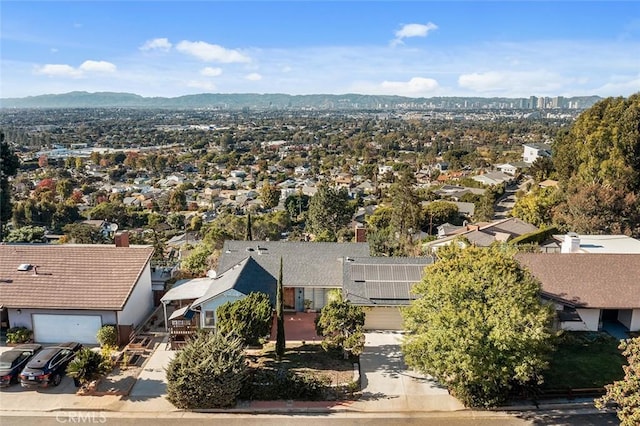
(307, 358)
(584, 360)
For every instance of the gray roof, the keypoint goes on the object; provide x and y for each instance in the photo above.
(381, 281)
(187, 289)
(305, 264)
(245, 277)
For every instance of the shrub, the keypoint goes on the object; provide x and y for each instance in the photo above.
(19, 335)
(207, 373)
(88, 366)
(249, 318)
(267, 384)
(107, 335)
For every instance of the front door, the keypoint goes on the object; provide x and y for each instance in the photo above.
(290, 298)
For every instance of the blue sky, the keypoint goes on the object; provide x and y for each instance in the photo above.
(413, 48)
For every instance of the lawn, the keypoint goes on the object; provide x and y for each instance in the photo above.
(584, 360)
(305, 358)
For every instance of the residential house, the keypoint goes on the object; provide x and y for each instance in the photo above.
(533, 151)
(574, 243)
(589, 290)
(512, 168)
(382, 285)
(68, 292)
(493, 178)
(310, 269)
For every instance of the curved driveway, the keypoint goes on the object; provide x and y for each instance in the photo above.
(389, 385)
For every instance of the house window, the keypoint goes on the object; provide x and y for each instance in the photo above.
(209, 318)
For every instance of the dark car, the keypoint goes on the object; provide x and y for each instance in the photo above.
(13, 361)
(48, 366)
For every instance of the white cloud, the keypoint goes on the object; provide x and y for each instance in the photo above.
(98, 66)
(415, 86)
(87, 67)
(620, 84)
(513, 82)
(53, 50)
(211, 72)
(413, 30)
(254, 76)
(157, 44)
(211, 52)
(58, 70)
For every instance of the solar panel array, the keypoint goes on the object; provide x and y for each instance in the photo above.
(387, 281)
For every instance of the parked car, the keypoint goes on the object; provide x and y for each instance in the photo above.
(48, 366)
(13, 361)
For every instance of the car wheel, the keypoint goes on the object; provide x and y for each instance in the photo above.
(56, 380)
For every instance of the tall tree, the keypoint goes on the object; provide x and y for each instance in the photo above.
(626, 392)
(270, 195)
(478, 325)
(329, 211)
(249, 318)
(9, 163)
(280, 339)
(248, 236)
(342, 326)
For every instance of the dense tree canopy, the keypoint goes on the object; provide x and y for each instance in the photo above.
(342, 326)
(329, 210)
(626, 392)
(478, 325)
(9, 163)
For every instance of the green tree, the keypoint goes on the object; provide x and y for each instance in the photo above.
(280, 338)
(9, 164)
(541, 169)
(329, 210)
(26, 234)
(197, 261)
(406, 213)
(439, 212)
(478, 325)
(82, 233)
(250, 318)
(270, 195)
(536, 207)
(207, 373)
(625, 393)
(177, 200)
(196, 223)
(248, 235)
(342, 326)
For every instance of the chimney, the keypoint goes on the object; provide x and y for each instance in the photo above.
(121, 239)
(571, 243)
(361, 234)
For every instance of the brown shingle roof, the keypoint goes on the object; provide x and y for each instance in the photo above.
(70, 276)
(609, 281)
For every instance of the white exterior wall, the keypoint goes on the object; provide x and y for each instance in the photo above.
(140, 303)
(213, 304)
(590, 321)
(635, 320)
(23, 319)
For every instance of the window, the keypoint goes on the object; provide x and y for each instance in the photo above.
(209, 319)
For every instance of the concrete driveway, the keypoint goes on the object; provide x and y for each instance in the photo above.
(389, 385)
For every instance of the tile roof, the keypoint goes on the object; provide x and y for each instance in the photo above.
(305, 264)
(381, 281)
(609, 281)
(70, 276)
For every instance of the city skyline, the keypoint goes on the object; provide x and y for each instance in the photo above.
(413, 49)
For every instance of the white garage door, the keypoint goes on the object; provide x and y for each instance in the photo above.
(383, 319)
(49, 328)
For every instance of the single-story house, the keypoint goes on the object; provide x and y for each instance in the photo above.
(68, 292)
(382, 285)
(589, 289)
(310, 269)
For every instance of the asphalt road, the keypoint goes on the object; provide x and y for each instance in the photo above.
(340, 419)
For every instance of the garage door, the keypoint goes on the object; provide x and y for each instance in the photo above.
(383, 319)
(49, 328)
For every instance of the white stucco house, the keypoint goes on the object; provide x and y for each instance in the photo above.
(67, 292)
(589, 289)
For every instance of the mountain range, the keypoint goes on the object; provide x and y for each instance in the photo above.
(267, 101)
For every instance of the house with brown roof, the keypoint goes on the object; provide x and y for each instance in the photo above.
(67, 292)
(589, 290)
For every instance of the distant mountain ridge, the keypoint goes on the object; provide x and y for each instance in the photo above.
(260, 101)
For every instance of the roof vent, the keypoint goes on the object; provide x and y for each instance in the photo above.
(249, 249)
(24, 267)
